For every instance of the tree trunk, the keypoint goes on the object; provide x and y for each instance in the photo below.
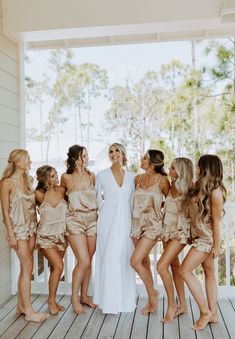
(195, 109)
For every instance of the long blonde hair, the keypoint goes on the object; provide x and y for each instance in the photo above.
(184, 181)
(15, 156)
(210, 178)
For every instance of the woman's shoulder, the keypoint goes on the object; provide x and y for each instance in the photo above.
(103, 172)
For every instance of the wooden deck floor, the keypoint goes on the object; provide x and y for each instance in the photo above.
(94, 324)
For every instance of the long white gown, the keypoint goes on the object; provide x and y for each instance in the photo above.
(114, 284)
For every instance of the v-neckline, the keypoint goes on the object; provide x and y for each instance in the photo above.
(116, 180)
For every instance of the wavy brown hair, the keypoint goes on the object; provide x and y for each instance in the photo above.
(156, 157)
(184, 181)
(210, 178)
(15, 156)
(74, 153)
(43, 174)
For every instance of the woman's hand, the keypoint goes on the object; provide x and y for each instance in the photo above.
(13, 242)
(215, 252)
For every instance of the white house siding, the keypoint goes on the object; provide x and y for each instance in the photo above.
(9, 137)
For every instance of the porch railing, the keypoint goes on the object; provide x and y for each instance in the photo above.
(225, 266)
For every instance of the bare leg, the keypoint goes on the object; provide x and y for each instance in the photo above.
(142, 250)
(171, 251)
(79, 246)
(56, 266)
(20, 309)
(179, 285)
(25, 257)
(85, 299)
(211, 286)
(192, 260)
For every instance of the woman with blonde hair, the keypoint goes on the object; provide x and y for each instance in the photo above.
(51, 229)
(114, 286)
(207, 200)
(81, 222)
(19, 216)
(151, 188)
(175, 234)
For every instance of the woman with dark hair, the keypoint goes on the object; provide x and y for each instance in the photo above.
(51, 229)
(81, 221)
(150, 190)
(115, 288)
(19, 216)
(207, 200)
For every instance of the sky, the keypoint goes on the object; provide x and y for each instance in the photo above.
(120, 62)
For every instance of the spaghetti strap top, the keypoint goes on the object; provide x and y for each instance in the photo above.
(150, 197)
(23, 213)
(82, 200)
(52, 219)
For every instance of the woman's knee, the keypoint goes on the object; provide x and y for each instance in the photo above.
(85, 263)
(27, 266)
(208, 270)
(161, 267)
(135, 262)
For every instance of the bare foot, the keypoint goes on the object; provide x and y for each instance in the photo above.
(151, 305)
(87, 301)
(20, 310)
(202, 322)
(214, 318)
(53, 308)
(170, 314)
(36, 317)
(182, 309)
(60, 307)
(77, 306)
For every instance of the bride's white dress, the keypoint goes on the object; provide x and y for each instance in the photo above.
(114, 284)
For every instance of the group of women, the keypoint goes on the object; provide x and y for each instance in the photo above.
(120, 218)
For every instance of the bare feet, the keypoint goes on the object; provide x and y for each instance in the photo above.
(202, 322)
(170, 314)
(182, 309)
(36, 317)
(60, 307)
(53, 307)
(87, 301)
(77, 306)
(20, 309)
(151, 305)
(214, 318)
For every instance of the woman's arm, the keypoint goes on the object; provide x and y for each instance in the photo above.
(39, 197)
(5, 192)
(216, 213)
(164, 185)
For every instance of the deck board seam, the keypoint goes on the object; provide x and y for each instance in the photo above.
(224, 320)
(117, 325)
(133, 320)
(87, 323)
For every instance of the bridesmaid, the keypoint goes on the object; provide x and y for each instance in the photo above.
(150, 191)
(51, 229)
(19, 216)
(114, 287)
(175, 234)
(81, 221)
(206, 209)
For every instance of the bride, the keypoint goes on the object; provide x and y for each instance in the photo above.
(114, 286)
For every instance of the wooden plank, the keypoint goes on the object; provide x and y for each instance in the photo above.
(155, 326)
(125, 323)
(64, 325)
(186, 323)
(232, 301)
(43, 330)
(227, 312)
(6, 147)
(12, 318)
(109, 326)
(8, 306)
(9, 99)
(79, 324)
(219, 330)
(5, 289)
(7, 64)
(9, 115)
(93, 327)
(9, 81)
(8, 47)
(9, 133)
(206, 333)
(140, 324)
(170, 330)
